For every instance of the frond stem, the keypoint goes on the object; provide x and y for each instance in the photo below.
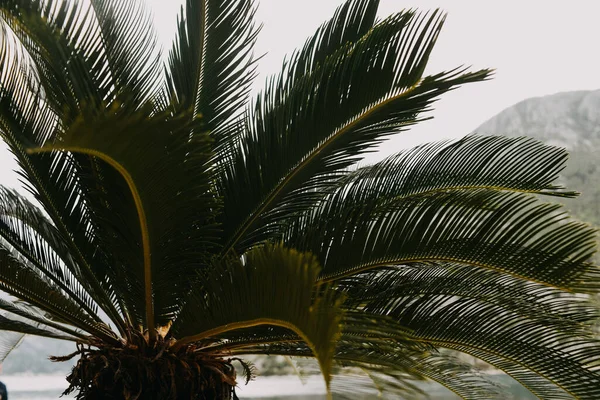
(143, 226)
(367, 267)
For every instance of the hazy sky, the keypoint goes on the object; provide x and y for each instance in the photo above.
(538, 48)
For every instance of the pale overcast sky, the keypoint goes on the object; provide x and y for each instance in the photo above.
(538, 48)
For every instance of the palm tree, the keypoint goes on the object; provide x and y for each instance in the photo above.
(174, 226)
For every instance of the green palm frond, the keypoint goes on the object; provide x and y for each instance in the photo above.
(474, 162)
(508, 232)
(20, 281)
(10, 323)
(384, 373)
(349, 24)
(150, 182)
(28, 117)
(538, 385)
(211, 64)
(397, 218)
(129, 67)
(305, 132)
(87, 54)
(241, 296)
(13, 325)
(28, 232)
(479, 312)
(388, 357)
(405, 288)
(385, 356)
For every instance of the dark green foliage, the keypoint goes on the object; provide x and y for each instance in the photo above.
(178, 227)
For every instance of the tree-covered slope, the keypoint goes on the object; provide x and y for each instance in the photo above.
(571, 120)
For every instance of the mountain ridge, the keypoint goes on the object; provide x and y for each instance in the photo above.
(565, 119)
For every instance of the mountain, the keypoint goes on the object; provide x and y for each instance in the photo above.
(570, 120)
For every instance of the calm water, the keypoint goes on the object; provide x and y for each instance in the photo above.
(49, 387)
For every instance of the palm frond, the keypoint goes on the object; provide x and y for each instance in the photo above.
(349, 24)
(509, 232)
(128, 68)
(8, 342)
(28, 232)
(387, 378)
(11, 325)
(387, 359)
(305, 131)
(567, 372)
(24, 283)
(87, 54)
(30, 113)
(474, 162)
(241, 296)
(405, 288)
(467, 314)
(149, 184)
(47, 31)
(40, 320)
(211, 64)
(538, 385)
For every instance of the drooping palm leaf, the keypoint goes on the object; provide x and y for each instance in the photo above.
(241, 296)
(20, 281)
(498, 235)
(391, 214)
(28, 231)
(30, 316)
(470, 305)
(389, 362)
(12, 325)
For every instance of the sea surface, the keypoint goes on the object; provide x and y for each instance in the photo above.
(50, 387)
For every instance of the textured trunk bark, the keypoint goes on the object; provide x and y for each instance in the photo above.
(137, 371)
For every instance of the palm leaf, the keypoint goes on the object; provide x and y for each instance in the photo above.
(11, 325)
(473, 162)
(30, 105)
(409, 287)
(8, 342)
(129, 69)
(477, 227)
(211, 64)
(305, 131)
(30, 316)
(24, 283)
(241, 296)
(388, 358)
(385, 373)
(485, 322)
(150, 183)
(28, 232)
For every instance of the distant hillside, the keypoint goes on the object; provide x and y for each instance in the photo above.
(571, 120)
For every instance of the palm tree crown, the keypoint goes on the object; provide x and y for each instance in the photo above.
(179, 225)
